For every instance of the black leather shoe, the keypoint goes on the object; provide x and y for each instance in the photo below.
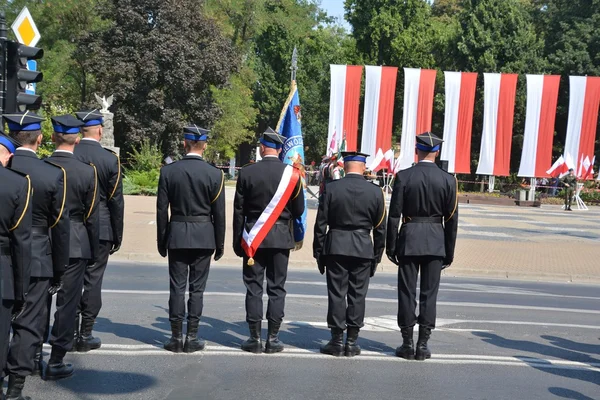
(335, 347)
(352, 349)
(254, 343)
(15, 387)
(86, 342)
(192, 342)
(423, 351)
(75, 335)
(38, 363)
(175, 344)
(56, 371)
(273, 344)
(407, 350)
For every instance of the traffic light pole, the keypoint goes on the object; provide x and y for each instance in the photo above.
(3, 39)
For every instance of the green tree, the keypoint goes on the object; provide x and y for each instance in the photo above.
(162, 60)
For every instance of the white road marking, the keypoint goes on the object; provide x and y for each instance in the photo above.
(372, 299)
(151, 222)
(488, 234)
(291, 352)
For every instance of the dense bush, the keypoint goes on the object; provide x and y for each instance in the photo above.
(143, 170)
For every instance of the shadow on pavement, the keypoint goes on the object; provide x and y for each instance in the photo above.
(94, 382)
(545, 351)
(568, 394)
(134, 332)
(571, 345)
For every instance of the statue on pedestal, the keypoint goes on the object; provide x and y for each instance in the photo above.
(108, 136)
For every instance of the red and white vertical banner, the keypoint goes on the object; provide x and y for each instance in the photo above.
(380, 93)
(458, 120)
(419, 85)
(584, 101)
(542, 99)
(343, 107)
(500, 91)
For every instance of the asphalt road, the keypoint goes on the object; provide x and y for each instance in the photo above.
(494, 340)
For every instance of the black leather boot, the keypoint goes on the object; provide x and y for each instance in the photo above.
(75, 335)
(422, 349)
(38, 362)
(352, 349)
(15, 387)
(175, 344)
(407, 350)
(253, 344)
(85, 341)
(192, 342)
(57, 369)
(335, 347)
(273, 344)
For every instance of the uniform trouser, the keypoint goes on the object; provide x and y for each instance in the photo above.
(347, 277)
(5, 316)
(27, 329)
(275, 263)
(67, 299)
(194, 263)
(91, 300)
(568, 198)
(431, 270)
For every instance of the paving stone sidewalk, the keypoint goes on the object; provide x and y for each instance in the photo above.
(546, 244)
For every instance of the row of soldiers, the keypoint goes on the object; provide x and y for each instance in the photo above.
(60, 220)
(350, 236)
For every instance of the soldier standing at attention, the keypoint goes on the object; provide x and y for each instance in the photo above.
(82, 192)
(268, 196)
(49, 257)
(425, 197)
(15, 248)
(194, 190)
(352, 207)
(110, 208)
(570, 184)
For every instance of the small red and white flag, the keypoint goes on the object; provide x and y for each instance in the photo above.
(589, 172)
(458, 120)
(499, 108)
(380, 93)
(343, 103)
(558, 168)
(542, 98)
(378, 162)
(419, 85)
(390, 162)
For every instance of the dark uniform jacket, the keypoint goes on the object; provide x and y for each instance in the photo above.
(51, 225)
(256, 185)
(195, 191)
(351, 207)
(82, 191)
(15, 234)
(110, 187)
(425, 197)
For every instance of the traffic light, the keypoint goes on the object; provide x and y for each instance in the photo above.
(18, 77)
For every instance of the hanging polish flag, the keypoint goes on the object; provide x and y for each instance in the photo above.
(500, 91)
(458, 120)
(343, 104)
(380, 93)
(419, 85)
(584, 101)
(542, 98)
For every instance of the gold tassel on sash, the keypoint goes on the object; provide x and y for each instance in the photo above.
(250, 261)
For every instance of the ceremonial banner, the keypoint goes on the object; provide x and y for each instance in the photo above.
(419, 85)
(290, 126)
(458, 120)
(380, 93)
(584, 101)
(343, 106)
(499, 109)
(542, 98)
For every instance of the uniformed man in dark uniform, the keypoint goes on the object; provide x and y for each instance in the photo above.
(425, 197)
(110, 207)
(15, 248)
(82, 193)
(49, 257)
(194, 190)
(569, 181)
(352, 207)
(256, 188)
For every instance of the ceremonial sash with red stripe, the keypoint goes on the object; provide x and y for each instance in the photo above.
(251, 240)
